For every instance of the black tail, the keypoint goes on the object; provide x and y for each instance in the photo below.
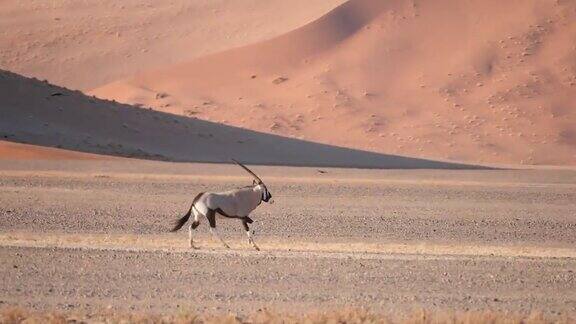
(180, 222)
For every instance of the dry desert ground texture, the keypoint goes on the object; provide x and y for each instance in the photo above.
(86, 236)
(422, 156)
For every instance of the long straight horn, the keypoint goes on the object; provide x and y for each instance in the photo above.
(249, 171)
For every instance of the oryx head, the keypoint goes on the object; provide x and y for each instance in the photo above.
(258, 183)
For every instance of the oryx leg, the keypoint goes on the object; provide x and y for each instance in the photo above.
(245, 222)
(211, 215)
(193, 226)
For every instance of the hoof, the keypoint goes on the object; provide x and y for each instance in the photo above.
(256, 247)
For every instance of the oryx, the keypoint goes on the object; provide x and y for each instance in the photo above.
(237, 203)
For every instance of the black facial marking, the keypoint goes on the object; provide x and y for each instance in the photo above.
(266, 195)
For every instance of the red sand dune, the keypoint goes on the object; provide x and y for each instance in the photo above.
(19, 151)
(85, 44)
(479, 81)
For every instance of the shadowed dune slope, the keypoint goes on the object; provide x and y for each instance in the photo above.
(39, 113)
(478, 81)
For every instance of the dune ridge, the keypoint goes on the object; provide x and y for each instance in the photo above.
(477, 81)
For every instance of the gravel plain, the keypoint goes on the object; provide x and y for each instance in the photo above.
(92, 235)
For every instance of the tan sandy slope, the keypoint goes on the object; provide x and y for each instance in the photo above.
(480, 80)
(84, 44)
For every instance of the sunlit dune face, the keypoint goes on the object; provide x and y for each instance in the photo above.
(488, 82)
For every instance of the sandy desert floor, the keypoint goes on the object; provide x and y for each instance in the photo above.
(93, 235)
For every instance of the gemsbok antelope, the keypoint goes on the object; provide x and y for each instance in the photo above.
(237, 203)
